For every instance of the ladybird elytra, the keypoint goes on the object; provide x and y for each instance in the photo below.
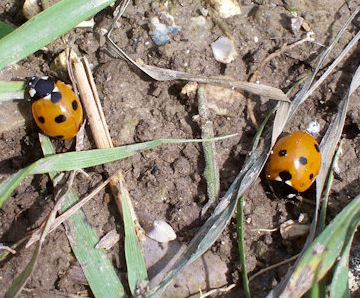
(295, 160)
(56, 109)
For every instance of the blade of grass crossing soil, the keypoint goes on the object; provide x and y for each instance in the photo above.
(241, 244)
(340, 281)
(211, 172)
(20, 281)
(134, 259)
(322, 216)
(77, 160)
(98, 270)
(9, 184)
(46, 27)
(11, 90)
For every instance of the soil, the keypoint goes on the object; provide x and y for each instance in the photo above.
(168, 182)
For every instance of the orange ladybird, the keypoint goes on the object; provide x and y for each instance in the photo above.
(294, 160)
(55, 108)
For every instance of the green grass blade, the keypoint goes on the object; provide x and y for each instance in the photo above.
(136, 268)
(211, 172)
(77, 160)
(97, 268)
(324, 250)
(9, 184)
(241, 245)
(5, 29)
(322, 216)
(315, 289)
(11, 90)
(46, 27)
(20, 281)
(340, 281)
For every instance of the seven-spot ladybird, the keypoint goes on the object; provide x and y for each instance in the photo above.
(294, 160)
(55, 107)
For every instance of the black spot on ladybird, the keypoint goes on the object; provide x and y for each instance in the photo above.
(285, 176)
(74, 105)
(55, 97)
(303, 160)
(317, 147)
(311, 176)
(41, 119)
(282, 152)
(59, 137)
(61, 118)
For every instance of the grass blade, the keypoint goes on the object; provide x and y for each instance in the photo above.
(211, 172)
(5, 29)
(11, 90)
(340, 281)
(241, 245)
(322, 216)
(77, 160)
(20, 281)
(324, 250)
(315, 289)
(9, 184)
(97, 268)
(135, 263)
(46, 27)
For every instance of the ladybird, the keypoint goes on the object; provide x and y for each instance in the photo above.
(55, 107)
(294, 160)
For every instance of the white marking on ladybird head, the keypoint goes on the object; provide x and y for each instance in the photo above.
(288, 182)
(278, 178)
(32, 92)
(291, 195)
(48, 97)
(45, 77)
(56, 89)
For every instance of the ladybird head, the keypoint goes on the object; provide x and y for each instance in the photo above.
(40, 87)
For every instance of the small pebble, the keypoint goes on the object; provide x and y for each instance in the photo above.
(224, 50)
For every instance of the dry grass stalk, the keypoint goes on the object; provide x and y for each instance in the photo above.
(99, 129)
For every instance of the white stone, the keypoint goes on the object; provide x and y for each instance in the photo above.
(224, 50)
(161, 232)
